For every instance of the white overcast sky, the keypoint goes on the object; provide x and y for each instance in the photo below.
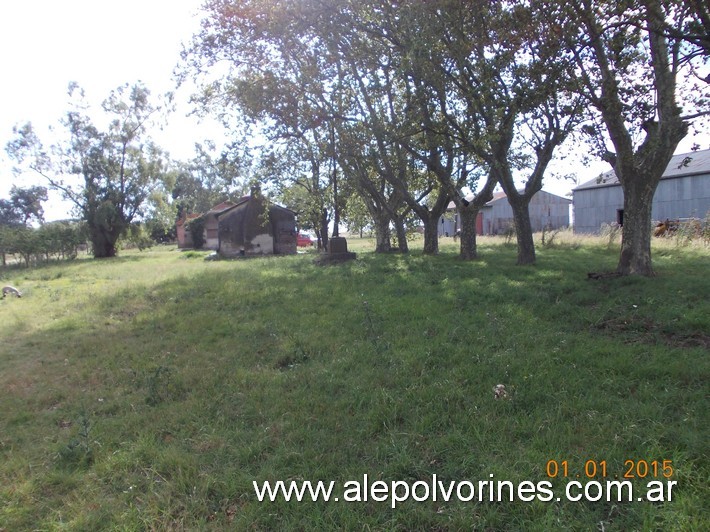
(101, 44)
(45, 44)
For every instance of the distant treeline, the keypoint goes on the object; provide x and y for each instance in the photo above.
(50, 241)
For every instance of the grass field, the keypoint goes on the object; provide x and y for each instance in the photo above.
(149, 392)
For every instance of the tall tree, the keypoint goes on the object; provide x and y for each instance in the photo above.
(440, 131)
(9, 215)
(28, 202)
(24, 205)
(15, 213)
(480, 92)
(629, 65)
(277, 81)
(293, 67)
(511, 107)
(384, 203)
(295, 170)
(108, 174)
(209, 178)
(370, 73)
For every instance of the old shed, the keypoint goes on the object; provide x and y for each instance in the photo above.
(212, 224)
(254, 226)
(210, 238)
(683, 192)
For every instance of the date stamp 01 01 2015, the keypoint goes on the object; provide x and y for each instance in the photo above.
(632, 469)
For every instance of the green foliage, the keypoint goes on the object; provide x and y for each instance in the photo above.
(161, 211)
(137, 237)
(79, 451)
(210, 179)
(116, 167)
(196, 226)
(194, 255)
(55, 240)
(23, 206)
(160, 385)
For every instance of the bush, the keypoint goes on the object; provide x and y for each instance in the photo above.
(59, 240)
(137, 237)
(196, 227)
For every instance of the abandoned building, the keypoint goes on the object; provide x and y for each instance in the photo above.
(496, 217)
(210, 237)
(244, 227)
(683, 192)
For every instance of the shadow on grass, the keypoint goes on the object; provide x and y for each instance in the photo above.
(274, 368)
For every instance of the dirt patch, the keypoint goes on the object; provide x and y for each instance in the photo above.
(688, 340)
(645, 330)
(598, 276)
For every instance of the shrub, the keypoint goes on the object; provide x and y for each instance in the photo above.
(196, 227)
(137, 237)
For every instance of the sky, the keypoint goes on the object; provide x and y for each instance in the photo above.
(46, 44)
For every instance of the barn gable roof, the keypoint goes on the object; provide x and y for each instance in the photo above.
(182, 221)
(681, 165)
(219, 209)
(497, 196)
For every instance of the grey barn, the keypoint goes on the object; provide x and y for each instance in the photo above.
(496, 217)
(683, 192)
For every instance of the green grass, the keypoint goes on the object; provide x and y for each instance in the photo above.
(151, 390)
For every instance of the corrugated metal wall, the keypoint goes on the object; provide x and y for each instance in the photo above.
(448, 224)
(682, 197)
(596, 206)
(546, 210)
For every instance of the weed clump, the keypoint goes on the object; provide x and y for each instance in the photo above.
(79, 453)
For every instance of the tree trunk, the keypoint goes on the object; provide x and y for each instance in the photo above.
(103, 249)
(431, 235)
(382, 234)
(401, 235)
(639, 170)
(523, 230)
(102, 243)
(635, 258)
(468, 216)
(324, 229)
(336, 204)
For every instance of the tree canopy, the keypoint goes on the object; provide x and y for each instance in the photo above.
(629, 59)
(23, 206)
(416, 101)
(107, 173)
